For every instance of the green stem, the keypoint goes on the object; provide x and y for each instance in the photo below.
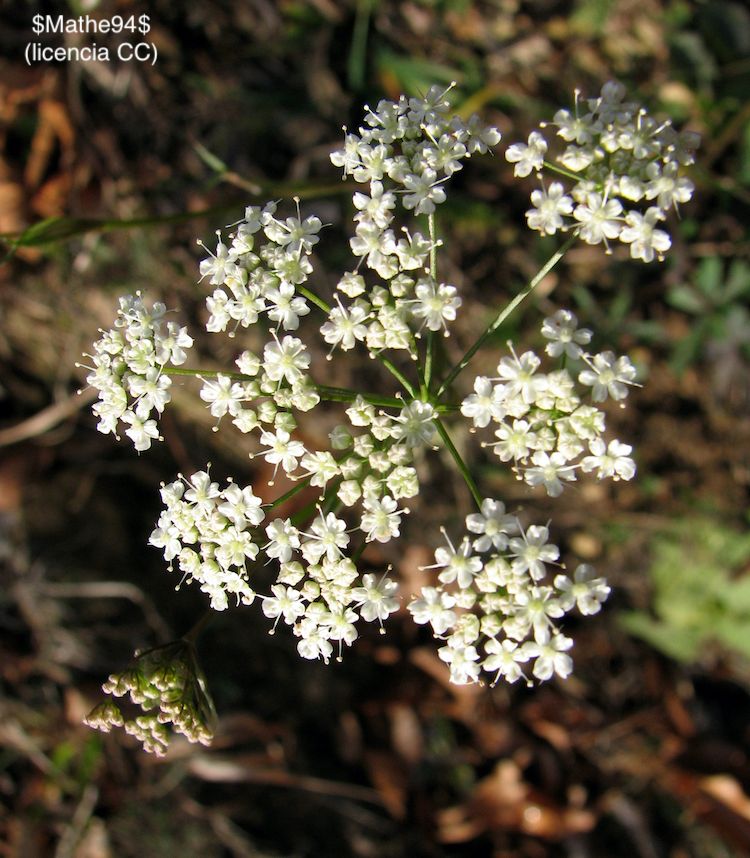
(295, 490)
(503, 315)
(356, 555)
(327, 393)
(343, 394)
(311, 296)
(206, 373)
(465, 473)
(562, 171)
(358, 51)
(433, 245)
(428, 364)
(430, 347)
(398, 375)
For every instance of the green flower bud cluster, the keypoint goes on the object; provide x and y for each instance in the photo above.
(167, 685)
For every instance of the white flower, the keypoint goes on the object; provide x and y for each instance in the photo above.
(586, 590)
(349, 492)
(376, 598)
(412, 252)
(608, 376)
(381, 519)
(486, 403)
(285, 307)
(457, 564)
(341, 626)
(351, 284)
(599, 219)
(402, 482)
(551, 656)
(283, 539)
(293, 234)
(645, 241)
(529, 156)
(282, 450)
(519, 375)
(504, 659)
(515, 442)
(446, 155)
(572, 127)
(151, 390)
(414, 424)
(286, 602)
(534, 607)
(609, 461)
(321, 467)
(564, 335)
(224, 395)
(218, 266)
(377, 207)
(531, 551)
(492, 524)
(327, 537)
(435, 304)
(549, 471)
(314, 642)
(345, 326)
(435, 608)
(286, 360)
(667, 185)
(424, 191)
(549, 208)
(374, 244)
(463, 661)
(241, 506)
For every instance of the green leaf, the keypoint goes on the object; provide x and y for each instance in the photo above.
(415, 76)
(733, 634)
(208, 157)
(54, 229)
(738, 596)
(737, 283)
(710, 276)
(680, 644)
(685, 298)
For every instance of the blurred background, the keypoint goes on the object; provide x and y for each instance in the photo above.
(108, 173)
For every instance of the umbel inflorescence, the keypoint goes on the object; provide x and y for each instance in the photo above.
(495, 593)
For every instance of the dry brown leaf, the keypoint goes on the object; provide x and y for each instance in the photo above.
(406, 732)
(504, 801)
(54, 126)
(390, 779)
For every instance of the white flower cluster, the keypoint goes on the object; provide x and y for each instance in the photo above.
(622, 168)
(322, 595)
(539, 420)
(374, 470)
(274, 384)
(404, 153)
(493, 606)
(219, 524)
(225, 528)
(377, 465)
(129, 369)
(253, 278)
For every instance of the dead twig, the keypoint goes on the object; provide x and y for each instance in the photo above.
(46, 419)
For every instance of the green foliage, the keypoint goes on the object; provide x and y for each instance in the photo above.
(717, 299)
(701, 592)
(617, 317)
